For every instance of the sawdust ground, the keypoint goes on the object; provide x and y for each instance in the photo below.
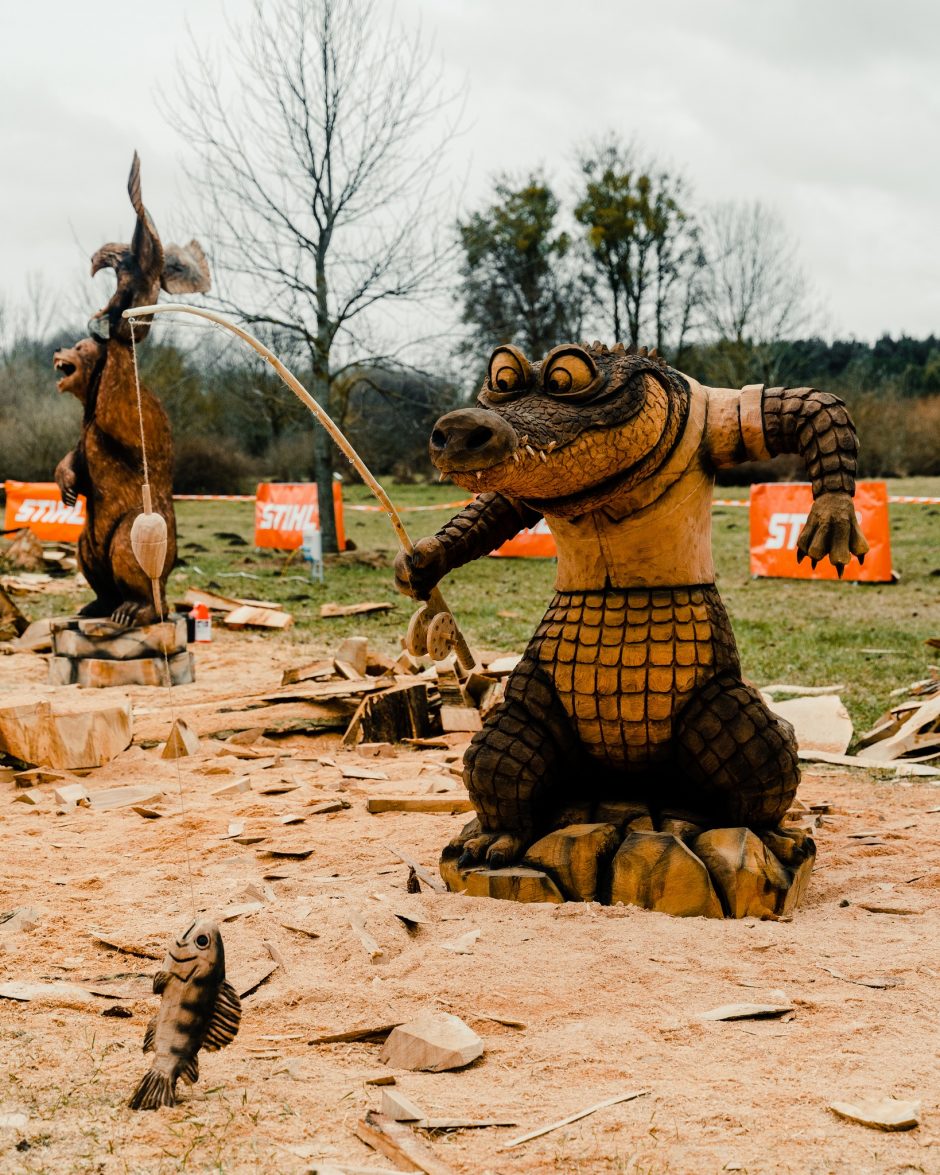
(609, 997)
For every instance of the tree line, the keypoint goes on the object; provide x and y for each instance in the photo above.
(322, 199)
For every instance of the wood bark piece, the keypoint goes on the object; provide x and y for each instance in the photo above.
(309, 671)
(180, 742)
(398, 1143)
(69, 730)
(354, 651)
(880, 1113)
(249, 616)
(458, 719)
(446, 803)
(821, 723)
(432, 1042)
(516, 883)
(658, 871)
(330, 611)
(574, 856)
(750, 880)
(616, 1100)
(350, 1035)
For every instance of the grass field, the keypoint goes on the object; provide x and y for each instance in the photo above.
(808, 633)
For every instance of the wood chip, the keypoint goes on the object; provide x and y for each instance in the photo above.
(180, 742)
(880, 1113)
(56, 992)
(350, 1035)
(455, 719)
(329, 611)
(463, 945)
(248, 616)
(123, 797)
(432, 1042)
(747, 1012)
(253, 979)
(369, 944)
(233, 789)
(398, 1143)
(576, 1117)
(301, 853)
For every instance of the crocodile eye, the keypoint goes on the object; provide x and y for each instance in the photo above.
(569, 372)
(509, 371)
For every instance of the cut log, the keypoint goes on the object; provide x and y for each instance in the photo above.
(106, 641)
(250, 616)
(70, 730)
(330, 611)
(37, 638)
(574, 856)
(181, 741)
(657, 871)
(91, 673)
(432, 1042)
(404, 711)
(445, 803)
(748, 877)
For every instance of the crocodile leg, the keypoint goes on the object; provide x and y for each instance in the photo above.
(737, 757)
(515, 767)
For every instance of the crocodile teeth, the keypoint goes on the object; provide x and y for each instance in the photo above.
(530, 450)
(543, 457)
(441, 476)
(479, 475)
(515, 457)
(551, 445)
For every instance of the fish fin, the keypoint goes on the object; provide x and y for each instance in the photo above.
(190, 1071)
(225, 1019)
(150, 1035)
(155, 1090)
(160, 980)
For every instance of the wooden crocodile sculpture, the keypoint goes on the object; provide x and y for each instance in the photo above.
(630, 692)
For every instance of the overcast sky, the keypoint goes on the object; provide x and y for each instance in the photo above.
(829, 110)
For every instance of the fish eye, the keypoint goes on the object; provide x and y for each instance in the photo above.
(202, 941)
(508, 371)
(568, 372)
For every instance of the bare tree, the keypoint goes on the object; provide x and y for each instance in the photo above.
(319, 146)
(754, 296)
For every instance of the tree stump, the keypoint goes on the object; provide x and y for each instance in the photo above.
(517, 883)
(574, 857)
(658, 871)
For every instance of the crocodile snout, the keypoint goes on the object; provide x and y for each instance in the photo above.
(471, 439)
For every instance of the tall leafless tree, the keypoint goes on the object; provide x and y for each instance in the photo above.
(754, 297)
(319, 142)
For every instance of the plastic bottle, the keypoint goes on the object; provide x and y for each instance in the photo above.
(202, 624)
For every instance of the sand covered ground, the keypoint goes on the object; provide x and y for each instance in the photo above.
(609, 998)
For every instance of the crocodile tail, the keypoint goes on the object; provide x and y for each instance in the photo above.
(155, 1090)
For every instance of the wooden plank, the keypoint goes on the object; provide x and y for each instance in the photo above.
(576, 1117)
(248, 616)
(350, 1035)
(441, 803)
(400, 1144)
(329, 611)
(455, 719)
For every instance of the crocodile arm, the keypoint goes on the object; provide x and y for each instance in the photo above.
(480, 527)
(817, 426)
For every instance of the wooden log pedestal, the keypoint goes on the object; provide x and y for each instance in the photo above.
(668, 863)
(99, 653)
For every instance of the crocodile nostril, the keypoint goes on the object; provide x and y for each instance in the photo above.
(480, 436)
(438, 439)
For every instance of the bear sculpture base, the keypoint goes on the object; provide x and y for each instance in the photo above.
(621, 855)
(98, 653)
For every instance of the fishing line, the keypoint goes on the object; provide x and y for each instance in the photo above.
(158, 606)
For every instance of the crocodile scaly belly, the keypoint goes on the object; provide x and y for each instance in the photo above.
(625, 661)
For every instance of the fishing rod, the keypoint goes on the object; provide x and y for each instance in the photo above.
(432, 628)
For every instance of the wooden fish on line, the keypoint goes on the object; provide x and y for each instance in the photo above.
(199, 1010)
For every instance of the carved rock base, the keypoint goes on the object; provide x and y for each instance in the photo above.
(670, 864)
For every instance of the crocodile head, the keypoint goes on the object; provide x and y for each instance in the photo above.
(567, 434)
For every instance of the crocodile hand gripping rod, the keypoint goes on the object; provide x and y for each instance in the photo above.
(433, 628)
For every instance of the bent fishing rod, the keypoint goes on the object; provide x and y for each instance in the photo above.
(433, 628)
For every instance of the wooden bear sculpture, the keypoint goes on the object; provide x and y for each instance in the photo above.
(107, 463)
(630, 691)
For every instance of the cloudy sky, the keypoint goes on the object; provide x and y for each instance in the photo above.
(826, 109)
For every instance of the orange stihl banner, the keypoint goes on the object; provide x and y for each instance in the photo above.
(536, 542)
(39, 506)
(282, 510)
(778, 512)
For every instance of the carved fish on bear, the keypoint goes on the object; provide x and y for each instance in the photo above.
(199, 1010)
